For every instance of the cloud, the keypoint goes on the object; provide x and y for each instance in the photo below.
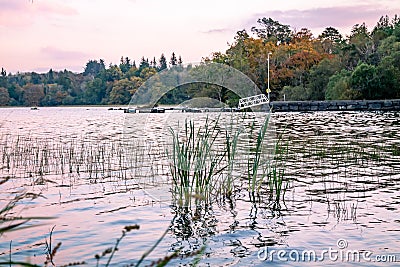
(19, 13)
(58, 54)
(340, 17)
(217, 31)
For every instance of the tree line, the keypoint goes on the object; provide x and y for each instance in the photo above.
(363, 65)
(98, 84)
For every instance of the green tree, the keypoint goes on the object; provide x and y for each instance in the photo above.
(36, 78)
(330, 40)
(237, 54)
(113, 73)
(396, 31)
(361, 43)
(153, 63)
(50, 76)
(65, 80)
(3, 78)
(122, 91)
(54, 96)
(125, 64)
(339, 87)
(15, 92)
(388, 46)
(272, 30)
(173, 60)
(94, 67)
(132, 72)
(388, 72)
(95, 91)
(295, 93)
(4, 97)
(383, 27)
(331, 34)
(364, 79)
(144, 63)
(162, 63)
(319, 77)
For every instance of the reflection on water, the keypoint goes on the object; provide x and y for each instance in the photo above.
(342, 168)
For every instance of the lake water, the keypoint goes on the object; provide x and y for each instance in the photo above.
(342, 171)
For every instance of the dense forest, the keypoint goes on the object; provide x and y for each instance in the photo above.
(362, 65)
(96, 85)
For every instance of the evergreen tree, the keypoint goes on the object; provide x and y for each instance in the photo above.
(272, 30)
(173, 61)
(180, 62)
(153, 63)
(94, 67)
(163, 63)
(50, 76)
(144, 63)
(125, 64)
(3, 78)
(331, 34)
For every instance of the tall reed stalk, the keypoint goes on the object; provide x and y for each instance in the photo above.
(277, 185)
(231, 142)
(194, 161)
(256, 161)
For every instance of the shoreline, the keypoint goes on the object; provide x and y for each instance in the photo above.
(336, 105)
(282, 106)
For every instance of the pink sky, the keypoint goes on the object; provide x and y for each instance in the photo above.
(37, 35)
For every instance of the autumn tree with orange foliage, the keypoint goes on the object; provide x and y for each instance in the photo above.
(303, 67)
(293, 55)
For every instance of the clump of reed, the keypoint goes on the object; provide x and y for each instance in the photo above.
(194, 161)
(204, 160)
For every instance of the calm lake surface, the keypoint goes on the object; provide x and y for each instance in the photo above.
(342, 171)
